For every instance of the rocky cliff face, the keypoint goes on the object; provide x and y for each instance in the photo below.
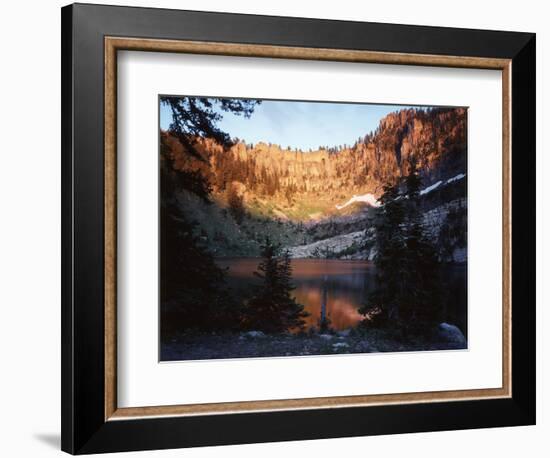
(319, 203)
(436, 137)
(445, 224)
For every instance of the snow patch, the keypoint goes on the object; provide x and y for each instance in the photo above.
(458, 177)
(371, 200)
(436, 185)
(368, 198)
(431, 188)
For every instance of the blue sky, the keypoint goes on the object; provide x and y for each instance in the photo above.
(301, 125)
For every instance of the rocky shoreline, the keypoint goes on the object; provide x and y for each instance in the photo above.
(255, 344)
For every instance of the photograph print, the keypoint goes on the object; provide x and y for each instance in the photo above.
(296, 228)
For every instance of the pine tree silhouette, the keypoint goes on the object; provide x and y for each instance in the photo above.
(236, 204)
(194, 294)
(272, 309)
(194, 117)
(409, 293)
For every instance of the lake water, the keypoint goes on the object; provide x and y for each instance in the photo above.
(342, 286)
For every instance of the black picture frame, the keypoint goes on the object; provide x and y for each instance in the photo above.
(84, 428)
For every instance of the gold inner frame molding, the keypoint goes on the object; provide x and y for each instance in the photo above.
(114, 44)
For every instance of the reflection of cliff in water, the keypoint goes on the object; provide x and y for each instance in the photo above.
(345, 284)
(341, 285)
(341, 313)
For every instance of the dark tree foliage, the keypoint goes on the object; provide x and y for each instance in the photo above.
(409, 294)
(453, 232)
(194, 117)
(236, 204)
(194, 294)
(229, 168)
(426, 300)
(173, 180)
(272, 309)
(290, 192)
(269, 180)
(383, 303)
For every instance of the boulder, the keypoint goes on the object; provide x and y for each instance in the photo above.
(344, 332)
(254, 334)
(450, 333)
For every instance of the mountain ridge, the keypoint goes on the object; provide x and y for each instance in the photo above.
(298, 198)
(436, 137)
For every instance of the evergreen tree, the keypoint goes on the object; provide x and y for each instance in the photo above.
(383, 303)
(194, 117)
(422, 309)
(290, 191)
(194, 294)
(174, 180)
(453, 232)
(193, 291)
(272, 309)
(408, 295)
(236, 204)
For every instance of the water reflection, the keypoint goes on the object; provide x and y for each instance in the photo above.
(343, 286)
(340, 284)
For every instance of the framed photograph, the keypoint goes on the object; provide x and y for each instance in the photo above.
(281, 228)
